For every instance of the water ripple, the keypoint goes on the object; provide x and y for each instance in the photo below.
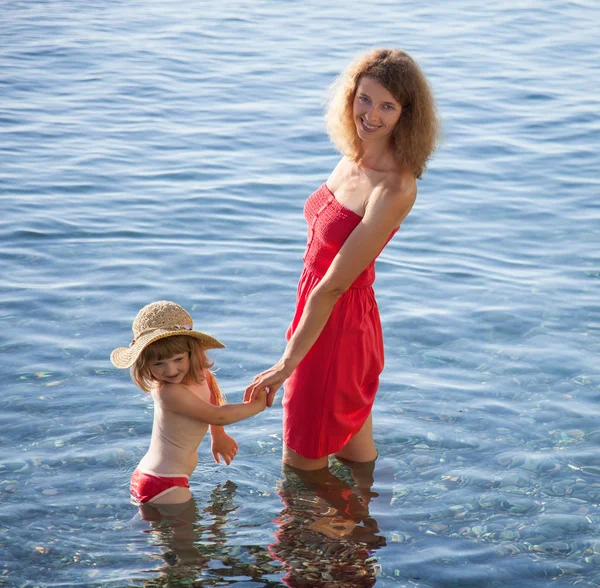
(153, 152)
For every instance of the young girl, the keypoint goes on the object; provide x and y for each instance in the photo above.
(168, 360)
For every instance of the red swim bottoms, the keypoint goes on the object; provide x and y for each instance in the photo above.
(148, 486)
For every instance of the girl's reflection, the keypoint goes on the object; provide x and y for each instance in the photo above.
(194, 543)
(173, 529)
(326, 535)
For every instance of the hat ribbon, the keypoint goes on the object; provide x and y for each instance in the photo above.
(171, 328)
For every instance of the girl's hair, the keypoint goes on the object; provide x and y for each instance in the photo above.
(168, 347)
(417, 131)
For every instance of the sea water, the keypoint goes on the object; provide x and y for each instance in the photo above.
(156, 150)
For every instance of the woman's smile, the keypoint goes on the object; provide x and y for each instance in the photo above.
(376, 111)
(368, 127)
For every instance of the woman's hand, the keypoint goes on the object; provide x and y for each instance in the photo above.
(270, 380)
(223, 445)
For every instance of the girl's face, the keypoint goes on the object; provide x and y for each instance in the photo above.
(172, 370)
(375, 110)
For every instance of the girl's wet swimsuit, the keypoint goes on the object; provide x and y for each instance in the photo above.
(148, 486)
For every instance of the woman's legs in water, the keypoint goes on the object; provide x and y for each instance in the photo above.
(360, 448)
(295, 460)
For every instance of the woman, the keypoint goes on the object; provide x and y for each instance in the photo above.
(382, 118)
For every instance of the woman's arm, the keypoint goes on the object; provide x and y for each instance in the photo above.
(386, 209)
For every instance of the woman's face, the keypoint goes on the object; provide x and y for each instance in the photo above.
(375, 110)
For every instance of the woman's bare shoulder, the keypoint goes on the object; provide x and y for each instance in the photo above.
(400, 183)
(397, 188)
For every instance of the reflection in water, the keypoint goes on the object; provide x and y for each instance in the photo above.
(326, 536)
(194, 543)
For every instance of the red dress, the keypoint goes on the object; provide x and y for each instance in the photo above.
(329, 395)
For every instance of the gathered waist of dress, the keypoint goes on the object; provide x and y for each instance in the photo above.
(364, 280)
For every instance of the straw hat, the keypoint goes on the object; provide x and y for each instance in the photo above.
(157, 321)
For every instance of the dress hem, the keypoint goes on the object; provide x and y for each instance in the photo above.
(341, 446)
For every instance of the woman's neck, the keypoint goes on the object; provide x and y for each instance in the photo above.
(377, 157)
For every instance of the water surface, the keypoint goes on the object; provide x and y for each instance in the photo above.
(153, 150)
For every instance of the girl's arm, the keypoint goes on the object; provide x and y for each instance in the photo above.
(222, 444)
(178, 398)
(216, 400)
(386, 209)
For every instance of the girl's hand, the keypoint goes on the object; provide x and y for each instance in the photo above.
(261, 398)
(271, 380)
(225, 446)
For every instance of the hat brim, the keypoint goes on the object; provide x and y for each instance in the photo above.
(125, 357)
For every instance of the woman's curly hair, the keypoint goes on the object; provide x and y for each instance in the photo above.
(417, 131)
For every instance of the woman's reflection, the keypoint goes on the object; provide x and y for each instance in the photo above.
(326, 536)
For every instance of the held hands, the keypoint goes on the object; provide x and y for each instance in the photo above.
(260, 398)
(225, 446)
(268, 381)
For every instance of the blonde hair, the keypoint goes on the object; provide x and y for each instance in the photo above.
(417, 131)
(168, 347)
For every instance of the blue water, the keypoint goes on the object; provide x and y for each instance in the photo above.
(154, 150)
